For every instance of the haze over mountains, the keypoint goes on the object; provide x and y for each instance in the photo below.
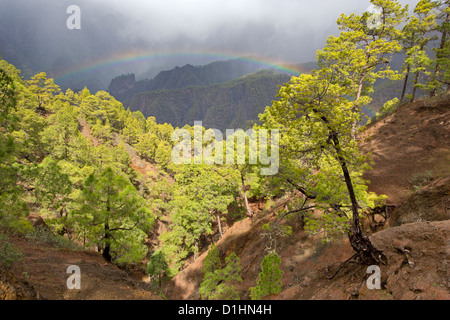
(146, 37)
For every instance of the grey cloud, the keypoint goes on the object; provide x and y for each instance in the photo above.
(34, 36)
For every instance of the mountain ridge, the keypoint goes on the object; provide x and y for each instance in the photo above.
(222, 94)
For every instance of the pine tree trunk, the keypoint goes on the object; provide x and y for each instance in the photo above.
(361, 244)
(220, 226)
(196, 250)
(247, 206)
(405, 84)
(107, 250)
(358, 96)
(416, 80)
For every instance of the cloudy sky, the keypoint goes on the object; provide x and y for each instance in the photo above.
(35, 32)
(288, 29)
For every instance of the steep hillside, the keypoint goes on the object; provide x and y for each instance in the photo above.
(410, 148)
(412, 140)
(42, 274)
(416, 268)
(124, 87)
(182, 77)
(228, 105)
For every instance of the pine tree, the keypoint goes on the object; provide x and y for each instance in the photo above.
(218, 283)
(440, 75)
(158, 266)
(269, 279)
(416, 38)
(10, 194)
(114, 216)
(319, 155)
(362, 52)
(201, 194)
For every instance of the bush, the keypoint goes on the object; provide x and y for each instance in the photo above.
(218, 284)
(421, 179)
(8, 253)
(42, 235)
(269, 280)
(388, 108)
(20, 226)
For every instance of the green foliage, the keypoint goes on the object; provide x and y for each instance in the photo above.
(218, 283)
(8, 253)
(17, 225)
(421, 179)
(362, 52)
(212, 260)
(200, 193)
(85, 185)
(269, 279)
(12, 205)
(44, 236)
(114, 216)
(41, 92)
(388, 108)
(158, 266)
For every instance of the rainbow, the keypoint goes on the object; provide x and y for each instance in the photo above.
(136, 57)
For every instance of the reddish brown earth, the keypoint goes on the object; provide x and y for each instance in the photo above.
(415, 140)
(42, 274)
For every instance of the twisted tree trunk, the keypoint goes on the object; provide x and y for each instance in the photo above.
(360, 243)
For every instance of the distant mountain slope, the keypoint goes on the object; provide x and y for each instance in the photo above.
(125, 87)
(227, 105)
(222, 94)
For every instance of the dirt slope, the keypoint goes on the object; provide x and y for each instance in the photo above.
(43, 275)
(412, 143)
(307, 263)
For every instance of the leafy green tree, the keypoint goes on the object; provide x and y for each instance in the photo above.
(115, 216)
(134, 126)
(27, 134)
(41, 92)
(218, 283)
(52, 187)
(201, 193)
(212, 261)
(363, 50)
(416, 37)
(58, 136)
(164, 132)
(147, 144)
(319, 155)
(440, 74)
(269, 279)
(12, 205)
(243, 163)
(109, 111)
(158, 266)
(163, 155)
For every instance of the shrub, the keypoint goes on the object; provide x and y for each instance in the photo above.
(8, 253)
(269, 280)
(421, 179)
(218, 284)
(42, 235)
(388, 108)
